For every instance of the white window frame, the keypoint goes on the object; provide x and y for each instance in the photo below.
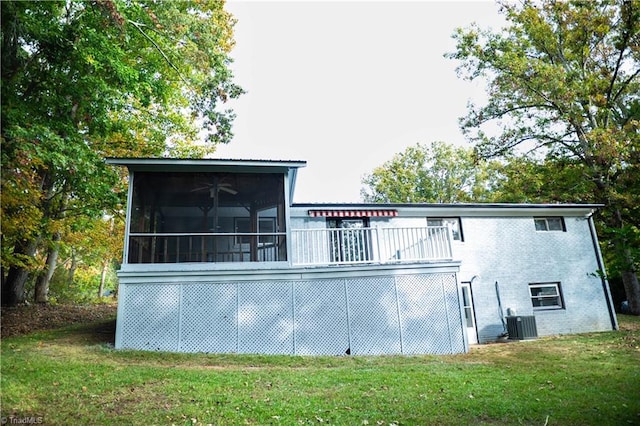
(557, 295)
(542, 224)
(453, 222)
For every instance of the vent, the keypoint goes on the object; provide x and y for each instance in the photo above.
(522, 327)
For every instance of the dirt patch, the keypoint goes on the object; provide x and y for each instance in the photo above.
(28, 319)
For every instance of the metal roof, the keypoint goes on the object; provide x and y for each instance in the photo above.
(147, 164)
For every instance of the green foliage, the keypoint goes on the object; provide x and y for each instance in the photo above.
(563, 80)
(526, 180)
(563, 76)
(621, 248)
(85, 80)
(82, 261)
(437, 173)
(589, 379)
(83, 289)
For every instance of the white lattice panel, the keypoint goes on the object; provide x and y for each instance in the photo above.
(321, 318)
(410, 314)
(455, 320)
(151, 317)
(265, 317)
(209, 320)
(424, 313)
(373, 316)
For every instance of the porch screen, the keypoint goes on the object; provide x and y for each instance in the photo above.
(207, 217)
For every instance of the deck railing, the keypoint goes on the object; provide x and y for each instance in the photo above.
(309, 247)
(206, 247)
(370, 245)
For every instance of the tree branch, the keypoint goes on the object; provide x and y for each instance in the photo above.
(625, 84)
(626, 35)
(139, 26)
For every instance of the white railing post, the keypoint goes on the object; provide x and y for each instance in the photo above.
(449, 246)
(375, 249)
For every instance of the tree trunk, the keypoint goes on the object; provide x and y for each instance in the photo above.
(632, 289)
(103, 278)
(13, 290)
(631, 285)
(42, 283)
(73, 267)
(13, 286)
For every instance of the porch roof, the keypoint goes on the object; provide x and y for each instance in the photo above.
(289, 167)
(196, 164)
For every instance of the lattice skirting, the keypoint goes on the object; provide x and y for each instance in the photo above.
(405, 314)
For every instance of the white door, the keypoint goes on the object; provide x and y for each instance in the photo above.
(469, 317)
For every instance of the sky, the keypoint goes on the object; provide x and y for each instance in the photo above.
(345, 86)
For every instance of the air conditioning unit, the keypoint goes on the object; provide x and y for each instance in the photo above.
(522, 327)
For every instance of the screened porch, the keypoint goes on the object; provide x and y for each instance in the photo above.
(179, 217)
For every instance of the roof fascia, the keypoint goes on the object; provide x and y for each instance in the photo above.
(461, 210)
(194, 165)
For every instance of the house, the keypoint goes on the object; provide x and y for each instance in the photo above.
(218, 259)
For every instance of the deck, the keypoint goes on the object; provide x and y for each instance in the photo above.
(308, 247)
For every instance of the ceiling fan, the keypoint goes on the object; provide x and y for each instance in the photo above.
(214, 188)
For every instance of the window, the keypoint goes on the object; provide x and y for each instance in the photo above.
(546, 296)
(549, 224)
(452, 222)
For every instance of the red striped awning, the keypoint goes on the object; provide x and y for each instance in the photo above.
(353, 213)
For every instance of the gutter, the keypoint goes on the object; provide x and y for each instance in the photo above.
(603, 275)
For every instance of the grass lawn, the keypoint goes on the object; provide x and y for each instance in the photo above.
(73, 375)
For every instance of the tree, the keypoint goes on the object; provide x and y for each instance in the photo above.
(529, 180)
(85, 80)
(435, 173)
(564, 81)
(81, 251)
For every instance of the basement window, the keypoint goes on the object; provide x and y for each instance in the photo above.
(546, 296)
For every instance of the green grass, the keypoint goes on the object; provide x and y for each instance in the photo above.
(70, 376)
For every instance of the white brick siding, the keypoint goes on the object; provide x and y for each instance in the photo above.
(510, 251)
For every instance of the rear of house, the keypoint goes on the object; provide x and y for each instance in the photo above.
(218, 259)
(540, 261)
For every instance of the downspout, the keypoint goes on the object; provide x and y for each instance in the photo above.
(603, 275)
(504, 325)
(287, 193)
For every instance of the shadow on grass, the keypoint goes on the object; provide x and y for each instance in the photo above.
(103, 332)
(96, 333)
